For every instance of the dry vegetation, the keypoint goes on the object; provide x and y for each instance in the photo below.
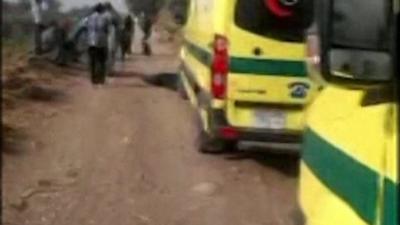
(27, 84)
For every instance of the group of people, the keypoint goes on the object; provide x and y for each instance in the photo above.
(103, 34)
(106, 34)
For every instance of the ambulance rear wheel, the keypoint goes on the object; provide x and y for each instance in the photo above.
(214, 145)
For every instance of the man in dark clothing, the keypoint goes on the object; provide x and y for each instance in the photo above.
(65, 47)
(130, 29)
(126, 37)
(146, 26)
(97, 63)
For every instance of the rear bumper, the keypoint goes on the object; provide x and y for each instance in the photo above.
(260, 135)
(218, 122)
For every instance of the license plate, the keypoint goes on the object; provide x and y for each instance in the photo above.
(270, 119)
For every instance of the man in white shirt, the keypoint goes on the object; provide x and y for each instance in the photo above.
(37, 8)
(97, 25)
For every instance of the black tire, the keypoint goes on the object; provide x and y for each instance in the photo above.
(213, 145)
(230, 145)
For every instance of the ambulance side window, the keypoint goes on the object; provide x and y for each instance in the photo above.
(365, 28)
(361, 40)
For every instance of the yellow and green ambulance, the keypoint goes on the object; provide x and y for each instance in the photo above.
(243, 69)
(350, 159)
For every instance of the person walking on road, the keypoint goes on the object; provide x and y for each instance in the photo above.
(126, 37)
(113, 36)
(147, 27)
(38, 7)
(97, 25)
(65, 47)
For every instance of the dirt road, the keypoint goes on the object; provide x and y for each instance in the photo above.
(124, 155)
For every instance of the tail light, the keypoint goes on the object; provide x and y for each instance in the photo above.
(220, 67)
(313, 51)
(229, 133)
(281, 8)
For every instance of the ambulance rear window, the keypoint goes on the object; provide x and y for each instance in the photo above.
(284, 20)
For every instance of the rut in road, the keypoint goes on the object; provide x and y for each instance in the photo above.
(131, 149)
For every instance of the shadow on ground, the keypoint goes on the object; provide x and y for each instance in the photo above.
(287, 164)
(44, 94)
(14, 140)
(165, 80)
